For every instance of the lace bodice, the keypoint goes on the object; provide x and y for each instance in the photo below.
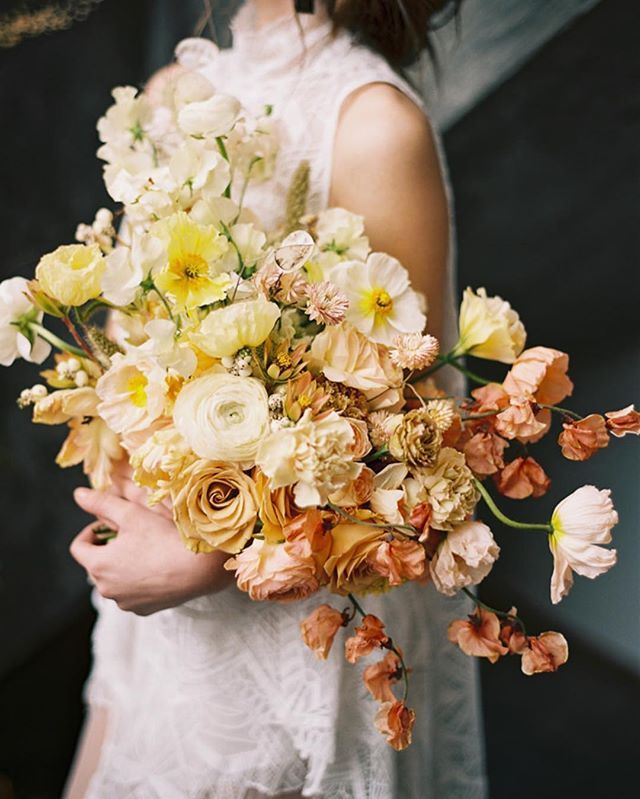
(218, 698)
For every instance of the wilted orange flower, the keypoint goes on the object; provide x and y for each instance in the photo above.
(580, 440)
(479, 636)
(380, 676)
(511, 633)
(400, 560)
(396, 720)
(491, 397)
(320, 628)
(542, 373)
(623, 421)
(369, 636)
(521, 421)
(545, 652)
(420, 517)
(523, 477)
(484, 451)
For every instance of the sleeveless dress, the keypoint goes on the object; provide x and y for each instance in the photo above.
(219, 698)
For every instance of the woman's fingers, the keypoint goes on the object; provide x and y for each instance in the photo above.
(106, 506)
(83, 547)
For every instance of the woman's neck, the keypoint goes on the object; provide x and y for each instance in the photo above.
(269, 10)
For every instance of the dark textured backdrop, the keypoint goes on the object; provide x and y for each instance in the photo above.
(545, 172)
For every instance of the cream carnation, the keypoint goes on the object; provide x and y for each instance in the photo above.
(464, 557)
(72, 274)
(241, 324)
(489, 328)
(223, 417)
(448, 488)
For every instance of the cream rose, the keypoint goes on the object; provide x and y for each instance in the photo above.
(215, 506)
(465, 557)
(72, 274)
(242, 324)
(223, 417)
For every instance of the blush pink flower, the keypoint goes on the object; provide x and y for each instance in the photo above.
(369, 636)
(399, 561)
(520, 420)
(395, 720)
(545, 652)
(274, 571)
(581, 439)
(414, 351)
(484, 451)
(542, 373)
(464, 557)
(522, 478)
(326, 304)
(379, 677)
(479, 636)
(319, 629)
(623, 421)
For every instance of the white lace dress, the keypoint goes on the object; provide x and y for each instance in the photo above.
(219, 698)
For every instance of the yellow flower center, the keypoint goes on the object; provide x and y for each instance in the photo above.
(136, 386)
(377, 301)
(190, 266)
(283, 360)
(304, 401)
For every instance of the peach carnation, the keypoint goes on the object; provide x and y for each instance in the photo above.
(320, 628)
(542, 373)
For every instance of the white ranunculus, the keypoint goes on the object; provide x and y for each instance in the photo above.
(214, 116)
(465, 557)
(242, 324)
(14, 308)
(223, 417)
(581, 523)
(121, 277)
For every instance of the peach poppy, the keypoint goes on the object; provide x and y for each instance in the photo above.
(545, 652)
(395, 720)
(400, 560)
(626, 420)
(522, 421)
(484, 451)
(380, 676)
(523, 477)
(369, 636)
(581, 439)
(319, 629)
(542, 373)
(479, 636)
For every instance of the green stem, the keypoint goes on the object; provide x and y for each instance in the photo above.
(500, 613)
(379, 453)
(225, 155)
(50, 337)
(357, 606)
(558, 409)
(163, 300)
(486, 496)
(468, 373)
(405, 528)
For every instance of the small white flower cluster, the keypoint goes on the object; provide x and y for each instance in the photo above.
(240, 363)
(29, 396)
(71, 369)
(100, 232)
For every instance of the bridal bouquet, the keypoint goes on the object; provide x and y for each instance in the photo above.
(274, 388)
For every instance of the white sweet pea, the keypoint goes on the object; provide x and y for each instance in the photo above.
(15, 313)
(121, 277)
(250, 245)
(163, 347)
(342, 233)
(215, 116)
(388, 493)
(125, 123)
(195, 167)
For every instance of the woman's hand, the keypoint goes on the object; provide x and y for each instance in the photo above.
(146, 568)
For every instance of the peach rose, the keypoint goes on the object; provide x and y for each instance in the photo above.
(479, 636)
(545, 652)
(396, 720)
(522, 478)
(215, 506)
(275, 571)
(369, 636)
(542, 373)
(519, 420)
(348, 566)
(320, 628)
(624, 421)
(581, 439)
(379, 677)
(464, 557)
(399, 561)
(276, 508)
(483, 452)
(357, 492)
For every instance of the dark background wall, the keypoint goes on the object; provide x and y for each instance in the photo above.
(546, 177)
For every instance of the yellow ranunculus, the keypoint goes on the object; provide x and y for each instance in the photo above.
(489, 328)
(72, 274)
(241, 324)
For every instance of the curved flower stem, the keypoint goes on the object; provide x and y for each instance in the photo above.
(357, 606)
(407, 529)
(163, 300)
(486, 496)
(373, 456)
(468, 373)
(86, 351)
(558, 409)
(503, 614)
(223, 152)
(52, 339)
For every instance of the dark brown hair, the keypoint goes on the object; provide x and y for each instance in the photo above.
(397, 29)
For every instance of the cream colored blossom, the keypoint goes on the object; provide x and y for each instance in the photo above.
(340, 236)
(414, 351)
(448, 487)
(223, 417)
(326, 304)
(72, 274)
(464, 557)
(211, 117)
(275, 571)
(158, 461)
(316, 456)
(132, 394)
(489, 328)
(16, 311)
(242, 324)
(416, 439)
(581, 523)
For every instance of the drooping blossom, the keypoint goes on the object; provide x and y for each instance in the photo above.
(326, 304)
(581, 523)
(379, 677)
(511, 633)
(400, 560)
(489, 328)
(479, 635)
(370, 635)
(414, 351)
(626, 420)
(484, 453)
(521, 420)
(580, 439)
(464, 557)
(320, 628)
(540, 372)
(395, 720)
(545, 652)
(15, 312)
(522, 478)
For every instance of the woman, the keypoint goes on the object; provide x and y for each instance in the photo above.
(215, 696)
